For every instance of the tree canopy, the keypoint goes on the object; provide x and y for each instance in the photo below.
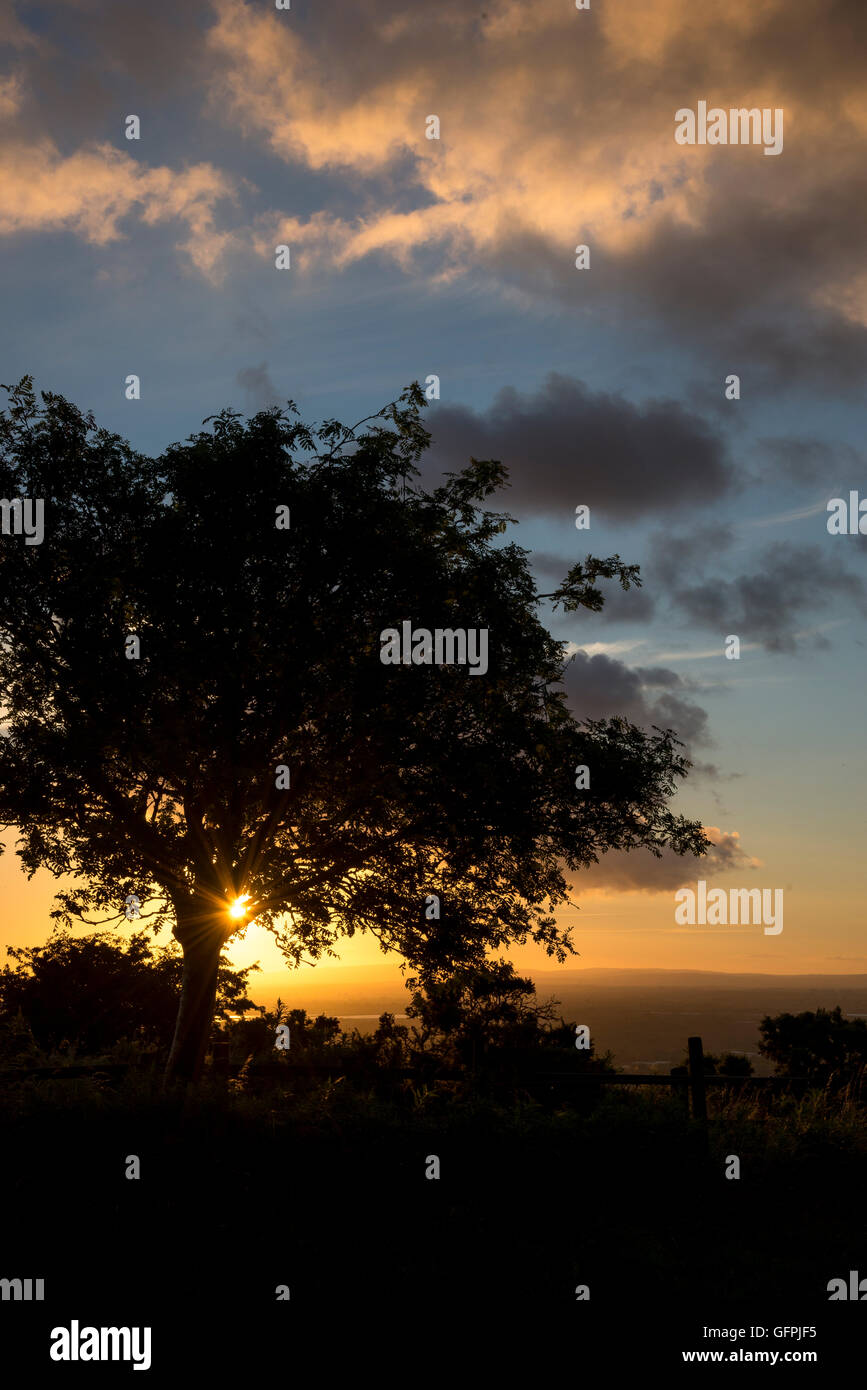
(250, 744)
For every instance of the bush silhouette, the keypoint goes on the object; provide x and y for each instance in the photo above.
(822, 1046)
(92, 992)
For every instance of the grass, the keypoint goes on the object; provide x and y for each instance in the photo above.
(563, 1195)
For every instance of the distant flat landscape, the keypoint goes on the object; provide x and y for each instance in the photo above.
(643, 1016)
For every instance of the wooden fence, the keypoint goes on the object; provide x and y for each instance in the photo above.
(689, 1084)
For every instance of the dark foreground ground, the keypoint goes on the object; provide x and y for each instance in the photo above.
(325, 1192)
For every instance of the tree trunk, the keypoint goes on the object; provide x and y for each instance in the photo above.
(202, 940)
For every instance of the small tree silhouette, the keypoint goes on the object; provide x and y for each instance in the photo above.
(819, 1046)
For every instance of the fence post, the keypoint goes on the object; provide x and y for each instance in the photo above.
(680, 1086)
(696, 1079)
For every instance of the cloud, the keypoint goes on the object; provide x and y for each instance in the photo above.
(606, 648)
(674, 555)
(762, 598)
(809, 462)
(639, 871)
(10, 95)
(259, 389)
(13, 33)
(569, 138)
(565, 445)
(600, 686)
(786, 518)
(91, 191)
(768, 605)
(86, 64)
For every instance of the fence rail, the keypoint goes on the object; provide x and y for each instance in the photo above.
(688, 1083)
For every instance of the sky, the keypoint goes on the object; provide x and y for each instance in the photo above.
(602, 386)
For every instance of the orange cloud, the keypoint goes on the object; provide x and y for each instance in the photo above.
(727, 852)
(495, 169)
(92, 190)
(10, 95)
(557, 127)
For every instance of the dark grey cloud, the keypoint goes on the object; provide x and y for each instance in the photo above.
(673, 555)
(600, 686)
(638, 870)
(773, 604)
(732, 289)
(90, 63)
(259, 389)
(739, 282)
(566, 445)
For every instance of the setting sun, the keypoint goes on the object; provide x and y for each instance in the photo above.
(239, 908)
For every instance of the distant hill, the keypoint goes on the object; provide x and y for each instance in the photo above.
(697, 979)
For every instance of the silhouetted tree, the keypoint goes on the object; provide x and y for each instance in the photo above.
(390, 1040)
(97, 990)
(727, 1064)
(476, 1006)
(260, 650)
(486, 1011)
(734, 1064)
(819, 1046)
